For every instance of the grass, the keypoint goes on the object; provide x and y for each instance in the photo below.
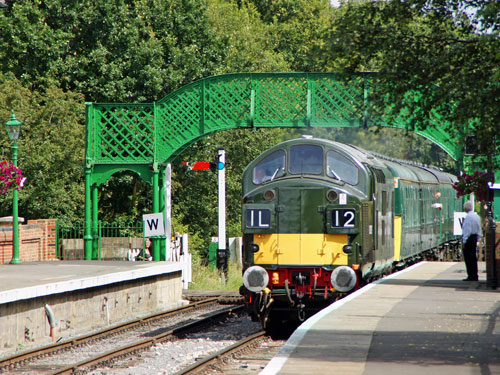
(205, 278)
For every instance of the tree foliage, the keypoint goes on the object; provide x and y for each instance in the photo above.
(110, 51)
(51, 150)
(248, 42)
(446, 51)
(300, 28)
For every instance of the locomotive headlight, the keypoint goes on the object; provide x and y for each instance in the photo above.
(343, 278)
(269, 195)
(347, 249)
(331, 195)
(255, 278)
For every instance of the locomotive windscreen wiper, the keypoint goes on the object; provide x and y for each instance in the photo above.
(275, 173)
(335, 174)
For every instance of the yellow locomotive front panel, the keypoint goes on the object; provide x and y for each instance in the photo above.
(300, 249)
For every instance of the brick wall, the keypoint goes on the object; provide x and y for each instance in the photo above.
(37, 241)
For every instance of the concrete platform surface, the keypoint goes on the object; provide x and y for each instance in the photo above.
(423, 320)
(36, 279)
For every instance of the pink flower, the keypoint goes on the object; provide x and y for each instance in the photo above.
(11, 177)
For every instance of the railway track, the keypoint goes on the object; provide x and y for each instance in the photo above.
(247, 356)
(48, 359)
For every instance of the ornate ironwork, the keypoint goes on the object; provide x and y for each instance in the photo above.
(125, 134)
(142, 137)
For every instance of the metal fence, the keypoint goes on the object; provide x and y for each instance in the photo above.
(114, 240)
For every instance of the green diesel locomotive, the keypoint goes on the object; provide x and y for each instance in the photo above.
(321, 218)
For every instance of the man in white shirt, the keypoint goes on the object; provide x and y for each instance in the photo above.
(471, 233)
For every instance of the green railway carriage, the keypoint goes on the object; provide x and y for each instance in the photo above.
(321, 218)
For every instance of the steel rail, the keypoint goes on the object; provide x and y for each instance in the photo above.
(200, 364)
(66, 344)
(130, 348)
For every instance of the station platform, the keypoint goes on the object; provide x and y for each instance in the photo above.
(37, 279)
(422, 320)
(82, 296)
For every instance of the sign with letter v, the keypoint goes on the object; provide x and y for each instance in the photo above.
(153, 225)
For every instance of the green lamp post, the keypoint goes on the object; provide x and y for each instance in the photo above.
(14, 130)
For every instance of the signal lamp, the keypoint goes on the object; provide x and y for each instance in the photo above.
(331, 195)
(276, 278)
(269, 195)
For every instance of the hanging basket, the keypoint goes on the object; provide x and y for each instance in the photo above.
(476, 184)
(11, 177)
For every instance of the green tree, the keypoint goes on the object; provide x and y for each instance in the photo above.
(115, 51)
(248, 42)
(300, 27)
(446, 51)
(50, 150)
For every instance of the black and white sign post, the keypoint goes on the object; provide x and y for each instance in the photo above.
(222, 251)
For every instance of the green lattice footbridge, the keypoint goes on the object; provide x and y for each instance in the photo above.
(143, 137)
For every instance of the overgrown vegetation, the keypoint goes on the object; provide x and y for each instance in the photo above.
(207, 278)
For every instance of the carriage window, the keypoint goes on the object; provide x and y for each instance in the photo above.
(269, 168)
(341, 168)
(306, 159)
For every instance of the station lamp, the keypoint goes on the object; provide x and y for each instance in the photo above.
(14, 130)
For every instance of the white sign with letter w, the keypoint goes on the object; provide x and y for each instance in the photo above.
(153, 225)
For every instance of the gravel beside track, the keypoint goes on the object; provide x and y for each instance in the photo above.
(49, 362)
(169, 357)
(250, 360)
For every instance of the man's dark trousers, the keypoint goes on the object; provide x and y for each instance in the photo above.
(470, 257)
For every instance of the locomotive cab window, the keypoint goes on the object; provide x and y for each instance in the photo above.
(271, 167)
(306, 159)
(341, 168)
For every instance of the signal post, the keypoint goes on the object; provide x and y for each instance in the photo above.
(219, 166)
